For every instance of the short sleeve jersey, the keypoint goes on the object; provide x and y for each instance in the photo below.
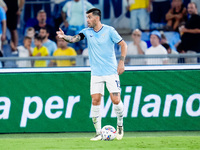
(44, 52)
(51, 46)
(101, 50)
(67, 52)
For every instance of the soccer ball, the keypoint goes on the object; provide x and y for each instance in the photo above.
(108, 133)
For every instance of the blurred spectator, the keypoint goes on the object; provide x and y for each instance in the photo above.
(57, 12)
(30, 32)
(32, 7)
(163, 38)
(39, 50)
(85, 53)
(197, 2)
(176, 15)
(49, 44)
(25, 51)
(42, 18)
(2, 31)
(172, 38)
(187, 60)
(139, 14)
(73, 18)
(3, 4)
(170, 51)
(137, 47)
(190, 39)
(2, 27)
(13, 13)
(156, 49)
(160, 8)
(63, 50)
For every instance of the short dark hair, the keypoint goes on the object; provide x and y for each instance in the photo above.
(27, 38)
(41, 11)
(180, 47)
(95, 12)
(38, 37)
(166, 46)
(45, 28)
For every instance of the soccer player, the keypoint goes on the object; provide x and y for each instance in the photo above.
(101, 39)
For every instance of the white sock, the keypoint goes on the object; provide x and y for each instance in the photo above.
(96, 118)
(119, 109)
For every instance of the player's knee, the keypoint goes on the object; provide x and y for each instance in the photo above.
(116, 101)
(115, 98)
(96, 101)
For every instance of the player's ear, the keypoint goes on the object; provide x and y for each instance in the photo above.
(98, 18)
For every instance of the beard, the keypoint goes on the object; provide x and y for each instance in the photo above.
(91, 25)
(42, 21)
(43, 37)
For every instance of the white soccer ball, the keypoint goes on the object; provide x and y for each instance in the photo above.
(108, 133)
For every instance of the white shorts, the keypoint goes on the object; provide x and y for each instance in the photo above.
(112, 84)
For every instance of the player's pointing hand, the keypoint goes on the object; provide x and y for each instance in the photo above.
(60, 33)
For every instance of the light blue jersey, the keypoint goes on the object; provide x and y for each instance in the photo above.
(101, 50)
(51, 46)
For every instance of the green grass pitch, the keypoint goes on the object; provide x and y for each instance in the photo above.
(188, 140)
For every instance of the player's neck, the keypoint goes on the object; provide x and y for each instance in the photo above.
(98, 27)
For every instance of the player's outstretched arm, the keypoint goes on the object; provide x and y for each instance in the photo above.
(67, 38)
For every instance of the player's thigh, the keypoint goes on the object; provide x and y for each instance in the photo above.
(113, 83)
(96, 85)
(113, 86)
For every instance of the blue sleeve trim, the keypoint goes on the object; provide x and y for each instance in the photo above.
(119, 41)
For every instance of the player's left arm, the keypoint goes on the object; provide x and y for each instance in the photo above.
(121, 68)
(68, 38)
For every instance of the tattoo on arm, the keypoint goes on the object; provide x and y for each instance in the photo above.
(68, 39)
(77, 38)
(72, 39)
(122, 58)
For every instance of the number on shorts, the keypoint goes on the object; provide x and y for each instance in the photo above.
(118, 83)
